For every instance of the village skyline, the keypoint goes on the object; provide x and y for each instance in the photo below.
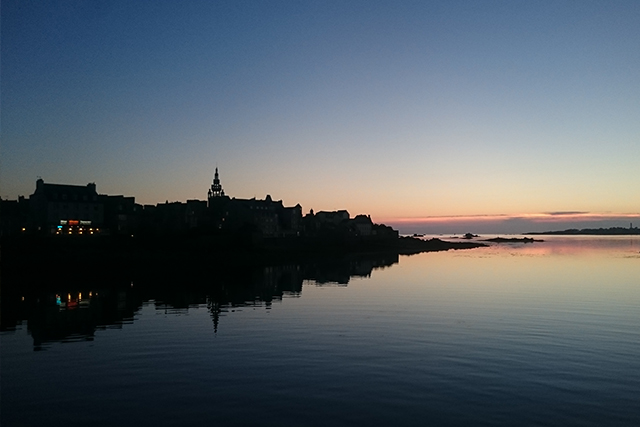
(500, 224)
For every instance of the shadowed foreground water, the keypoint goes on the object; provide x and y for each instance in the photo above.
(517, 334)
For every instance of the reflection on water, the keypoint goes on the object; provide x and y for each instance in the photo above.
(73, 313)
(512, 334)
(558, 245)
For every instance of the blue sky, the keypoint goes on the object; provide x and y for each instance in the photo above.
(403, 110)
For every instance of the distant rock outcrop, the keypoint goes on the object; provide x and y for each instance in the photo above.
(512, 240)
(612, 231)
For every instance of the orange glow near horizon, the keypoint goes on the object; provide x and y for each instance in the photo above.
(511, 223)
(533, 217)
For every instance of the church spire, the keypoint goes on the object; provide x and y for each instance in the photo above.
(216, 188)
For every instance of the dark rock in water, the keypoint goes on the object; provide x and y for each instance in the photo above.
(469, 236)
(512, 240)
(612, 231)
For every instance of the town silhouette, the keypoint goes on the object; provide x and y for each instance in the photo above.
(78, 218)
(75, 261)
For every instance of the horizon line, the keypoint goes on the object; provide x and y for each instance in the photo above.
(543, 217)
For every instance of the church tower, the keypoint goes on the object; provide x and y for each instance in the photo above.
(216, 188)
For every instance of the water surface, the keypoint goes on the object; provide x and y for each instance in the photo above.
(512, 334)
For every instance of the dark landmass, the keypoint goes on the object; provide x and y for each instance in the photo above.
(104, 255)
(613, 231)
(512, 240)
(56, 261)
(410, 245)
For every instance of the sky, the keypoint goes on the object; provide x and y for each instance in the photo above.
(431, 116)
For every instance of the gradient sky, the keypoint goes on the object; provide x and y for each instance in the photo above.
(403, 110)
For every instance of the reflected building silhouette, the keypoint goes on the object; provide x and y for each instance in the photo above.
(76, 316)
(73, 313)
(341, 271)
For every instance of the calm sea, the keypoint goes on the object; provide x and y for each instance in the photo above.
(540, 334)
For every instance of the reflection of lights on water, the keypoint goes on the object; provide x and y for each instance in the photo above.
(132, 284)
(58, 302)
(90, 294)
(22, 298)
(79, 296)
(69, 297)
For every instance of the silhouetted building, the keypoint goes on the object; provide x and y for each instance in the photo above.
(362, 225)
(74, 210)
(69, 209)
(335, 217)
(122, 215)
(269, 218)
(217, 201)
(266, 217)
(14, 216)
(332, 225)
(61, 209)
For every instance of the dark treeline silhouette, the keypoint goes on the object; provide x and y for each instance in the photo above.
(71, 303)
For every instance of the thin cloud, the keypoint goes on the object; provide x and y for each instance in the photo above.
(560, 213)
